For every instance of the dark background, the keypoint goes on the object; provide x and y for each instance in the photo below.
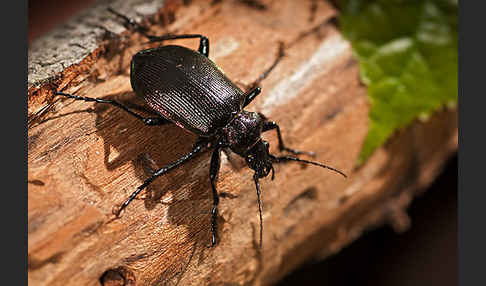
(43, 15)
(427, 254)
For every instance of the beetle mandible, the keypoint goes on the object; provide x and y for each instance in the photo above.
(186, 88)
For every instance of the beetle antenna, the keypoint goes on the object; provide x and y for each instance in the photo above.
(288, 158)
(257, 184)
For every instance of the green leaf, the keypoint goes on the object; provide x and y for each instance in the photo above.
(407, 51)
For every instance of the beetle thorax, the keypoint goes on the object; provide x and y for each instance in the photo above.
(243, 132)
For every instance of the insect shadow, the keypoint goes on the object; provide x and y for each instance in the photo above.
(147, 148)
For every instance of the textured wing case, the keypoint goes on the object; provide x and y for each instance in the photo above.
(185, 87)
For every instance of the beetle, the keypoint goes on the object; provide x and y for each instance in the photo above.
(185, 87)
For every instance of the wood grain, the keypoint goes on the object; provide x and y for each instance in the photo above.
(85, 159)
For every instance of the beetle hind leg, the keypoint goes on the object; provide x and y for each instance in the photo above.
(254, 89)
(280, 55)
(251, 94)
(203, 40)
(130, 23)
(150, 121)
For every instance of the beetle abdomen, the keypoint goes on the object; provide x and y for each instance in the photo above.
(185, 87)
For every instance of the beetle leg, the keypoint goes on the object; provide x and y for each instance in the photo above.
(213, 172)
(270, 125)
(129, 22)
(279, 57)
(198, 147)
(150, 121)
(203, 40)
(251, 94)
(252, 88)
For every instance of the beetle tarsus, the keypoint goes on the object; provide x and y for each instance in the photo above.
(264, 75)
(254, 89)
(129, 22)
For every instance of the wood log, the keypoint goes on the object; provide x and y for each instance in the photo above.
(84, 159)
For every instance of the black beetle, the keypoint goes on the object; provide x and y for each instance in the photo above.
(186, 88)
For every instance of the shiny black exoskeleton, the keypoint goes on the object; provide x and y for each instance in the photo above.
(186, 88)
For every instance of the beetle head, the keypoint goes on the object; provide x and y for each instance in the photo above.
(261, 161)
(258, 159)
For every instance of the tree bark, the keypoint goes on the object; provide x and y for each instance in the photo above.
(85, 159)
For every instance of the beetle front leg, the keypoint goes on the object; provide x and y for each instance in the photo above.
(270, 125)
(129, 22)
(213, 173)
(203, 40)
(150, 121)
